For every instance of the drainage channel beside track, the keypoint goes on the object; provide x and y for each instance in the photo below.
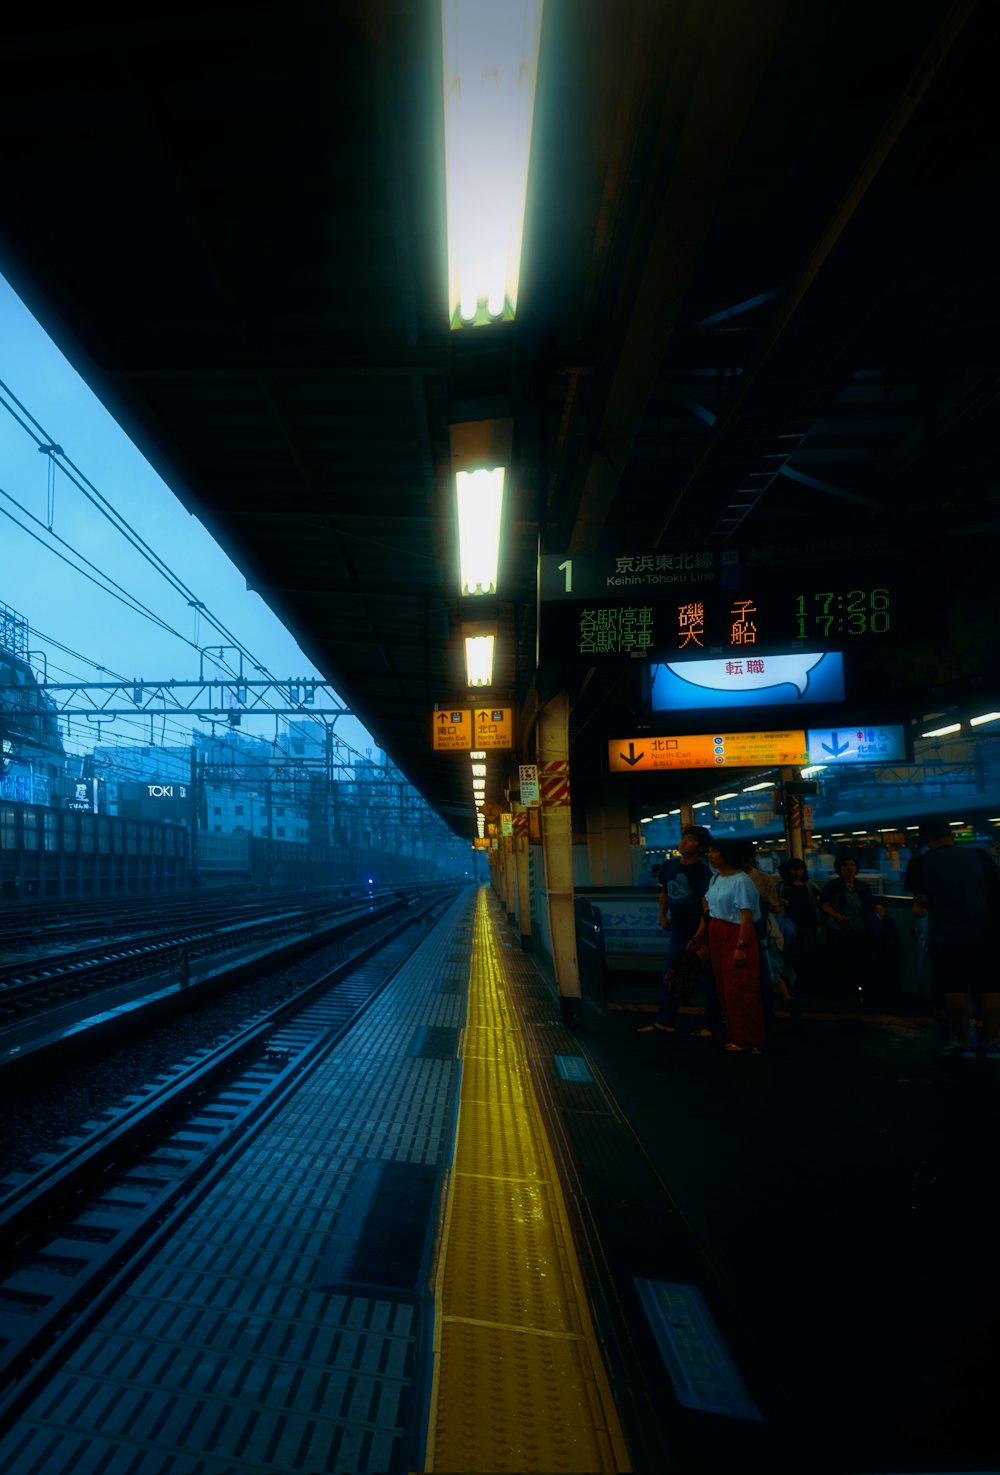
(75, 1233)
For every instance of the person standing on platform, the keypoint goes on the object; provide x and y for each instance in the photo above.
(683, 882)
(770, 965)
(854, 915)
(959, 890)
(732, 908)
(799, 901)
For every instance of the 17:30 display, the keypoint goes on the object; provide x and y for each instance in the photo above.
(857, 612)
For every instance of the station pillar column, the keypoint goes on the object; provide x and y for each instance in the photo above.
(792, 807)
(609, 837)
(687, 813)
(557, 848)
(509, 875)
(522, 872)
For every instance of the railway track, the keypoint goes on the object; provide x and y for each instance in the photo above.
(75, 1233)
(48, 982)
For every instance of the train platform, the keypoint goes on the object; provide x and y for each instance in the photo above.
(480, 1240)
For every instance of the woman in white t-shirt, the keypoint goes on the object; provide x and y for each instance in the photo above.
(732, 906)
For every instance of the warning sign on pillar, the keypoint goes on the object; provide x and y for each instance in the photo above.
(506, 824)
(528, 774)
(553, 783)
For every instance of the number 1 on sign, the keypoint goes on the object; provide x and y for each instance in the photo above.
(567, 568)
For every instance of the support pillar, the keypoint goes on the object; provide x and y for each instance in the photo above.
(687, 814)
(792, 808)
(609, 836)
(522, 873)
(510, 879)
(557, 848)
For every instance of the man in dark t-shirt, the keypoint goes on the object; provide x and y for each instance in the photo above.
(683, 883)
(959, 891)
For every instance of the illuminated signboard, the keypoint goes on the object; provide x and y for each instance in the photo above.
(706, 750)
(452, 731)
(883, 744)
(698, 605)
(747, 681)
(492, 727)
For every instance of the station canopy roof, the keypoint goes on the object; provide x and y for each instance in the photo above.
(757, 304)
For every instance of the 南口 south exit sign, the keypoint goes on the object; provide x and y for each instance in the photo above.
(457, 730)
(452, 729)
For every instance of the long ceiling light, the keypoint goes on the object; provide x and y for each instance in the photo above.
(985, 717)
(479, 660)
(490, 56)
(943, 731)
(480, 506)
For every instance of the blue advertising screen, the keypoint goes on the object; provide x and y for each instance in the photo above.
(748, 681)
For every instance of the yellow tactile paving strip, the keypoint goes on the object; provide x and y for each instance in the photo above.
(519, 1383)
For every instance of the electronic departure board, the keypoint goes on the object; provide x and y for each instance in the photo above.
(594, 610)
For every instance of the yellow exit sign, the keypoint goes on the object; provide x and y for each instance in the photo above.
(492, 727)
(707, 750)
(452, 730)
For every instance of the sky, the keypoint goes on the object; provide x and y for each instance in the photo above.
(60, 603)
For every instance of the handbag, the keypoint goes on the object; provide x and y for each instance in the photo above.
(682, 976)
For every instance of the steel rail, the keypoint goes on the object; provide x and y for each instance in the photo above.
(78, 1231)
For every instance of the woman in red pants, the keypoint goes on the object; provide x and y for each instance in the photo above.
(732, 905)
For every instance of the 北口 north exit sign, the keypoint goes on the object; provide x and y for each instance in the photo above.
(457, 729)
(706, 750)
(492, 727)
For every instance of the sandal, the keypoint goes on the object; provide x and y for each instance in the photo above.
(735, 1049)
(701, 1034)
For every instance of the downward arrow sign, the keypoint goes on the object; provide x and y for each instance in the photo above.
(837, 748)
(632, 758)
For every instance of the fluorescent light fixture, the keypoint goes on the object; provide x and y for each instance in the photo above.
(478, 784)
(480, 504)
(481, 826)
(859, 832)
(664, 815)
(720, 797)
(942, 731)
(813, 768)
(754, 787)
(479, 770)
(647, 819)
(490, 55)
(958, 823)
(674, 811)
(913, 827)
(702, 804)
(986, 717)
(477, 754)
(479, 660)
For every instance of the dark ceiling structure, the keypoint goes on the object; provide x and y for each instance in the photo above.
(758, 296)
